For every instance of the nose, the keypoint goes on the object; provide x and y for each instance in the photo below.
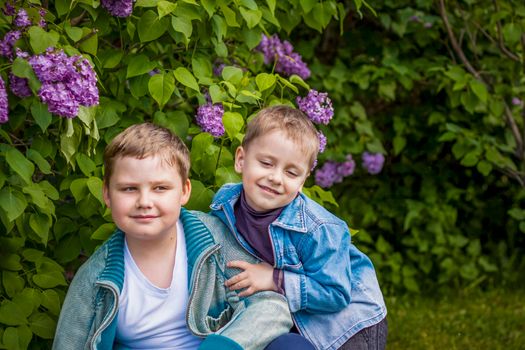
(275, 177)
(144, 200)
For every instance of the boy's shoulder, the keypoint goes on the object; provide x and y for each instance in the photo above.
(316, 212)
(226, 193)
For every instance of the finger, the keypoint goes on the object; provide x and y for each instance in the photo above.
(240, 285)
(247, 292)
(239, 264)
(235, 279)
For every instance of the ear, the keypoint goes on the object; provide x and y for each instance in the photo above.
(186, 192)
(239, 159)
(105, 193)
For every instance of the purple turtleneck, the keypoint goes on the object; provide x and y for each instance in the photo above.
(254, 228)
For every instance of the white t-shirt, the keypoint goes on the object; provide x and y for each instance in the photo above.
(151, 317)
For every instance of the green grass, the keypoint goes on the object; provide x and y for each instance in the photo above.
(477, 320)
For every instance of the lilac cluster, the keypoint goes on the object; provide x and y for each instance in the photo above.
(4, 107)
(218, 66)
(7, 43)
(118, 8)
(317, 106)
(517, 101)
(19, 86)
(9, 9)
(322, 141)
(287, 61)
(209, 118)
(42, 22)
(334, 172)
(373, 162)
(21, 19)
(67, 82)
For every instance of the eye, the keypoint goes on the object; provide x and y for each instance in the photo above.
(161, 188)
(292, 173)
(128, 189)
(265, 163)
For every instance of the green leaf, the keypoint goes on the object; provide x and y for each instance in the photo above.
(40, 223)
(103, 231)
(229, 16)
(17, 338)
(184, 76)
(271, 5)
(37, 195)
(165, 8)
(517, 213)
(182, 25)
(484, 167)
(470, 159)
(20, 164)
(512, 32)
(252, 17)
(176, 121)
(32, 255)
(225, 175)
(233, 123)
(79, 189)
(150, 27)
(51, 301)
(12, 282)
(297, 80)
(479, 89)
(111, 58)
(40, 40)
(200, 196)
(252, 37)
(209, 6)
(95, 186)
(265, 81)
(307, 5)
(11, 314)
(13, 203)
(232, 74)
(10, 262)
(161, 87)
(139, 65)
(86, 165)
(42, 325)
(49, 279)
(89, 41)
(74, 33)
(40, 161)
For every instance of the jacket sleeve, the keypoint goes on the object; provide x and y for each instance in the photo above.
(324, 286)
(75, 320)
(258, 320)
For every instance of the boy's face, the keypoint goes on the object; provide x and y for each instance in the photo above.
(145, 197)
(274, 169)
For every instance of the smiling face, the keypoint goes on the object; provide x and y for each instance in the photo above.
(274, 169)
(145, 196)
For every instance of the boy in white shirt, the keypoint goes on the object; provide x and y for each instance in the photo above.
(158, 281)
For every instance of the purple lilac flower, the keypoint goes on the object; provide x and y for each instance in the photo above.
(373, 162)
(19, 86)
(516, 101)
(209, 118)
(322, 141)
(42, 22)
(7, 43)
(287, 61)
(21, 53)
(347, 167)
(327, 175)
(118, 8)
(317, 106)
(67, 82)
(4, 107)
(414, 18)
(59, 99)
(9, 9)
(427, 25)
(218, 66)
(22, 19)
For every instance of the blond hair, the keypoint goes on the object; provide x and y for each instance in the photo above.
(294, 123)
(146, 140)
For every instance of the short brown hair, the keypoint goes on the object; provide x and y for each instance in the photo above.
(145, 140)
(292, 121)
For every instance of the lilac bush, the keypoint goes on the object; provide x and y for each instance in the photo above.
(209, 118)
(19, 86)
(287, 62)
(347, 167)
(4, 107)
(22, 19)
(322, 141)
(327, 175)
(373, 162)
(7, 43)
(317, 106)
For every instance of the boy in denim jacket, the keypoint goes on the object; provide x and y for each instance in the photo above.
(331, 286)
(158, 281)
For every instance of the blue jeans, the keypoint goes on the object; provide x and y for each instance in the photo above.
(290, 341)
(371, 338)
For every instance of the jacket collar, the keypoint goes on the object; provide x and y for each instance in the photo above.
(292, 217)
(113, 271)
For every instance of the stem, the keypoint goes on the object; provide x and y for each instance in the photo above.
(501, 44)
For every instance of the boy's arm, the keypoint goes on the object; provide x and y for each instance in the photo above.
(325, 285)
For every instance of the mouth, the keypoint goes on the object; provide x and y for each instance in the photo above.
(269, 190)
(144, 217)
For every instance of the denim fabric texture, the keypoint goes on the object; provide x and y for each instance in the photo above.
(371, 338)
(331, 286)
(89, 315)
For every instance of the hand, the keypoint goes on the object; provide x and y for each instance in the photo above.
(254, 278)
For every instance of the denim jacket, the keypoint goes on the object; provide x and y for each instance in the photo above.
(331, 286)
(88, 319)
